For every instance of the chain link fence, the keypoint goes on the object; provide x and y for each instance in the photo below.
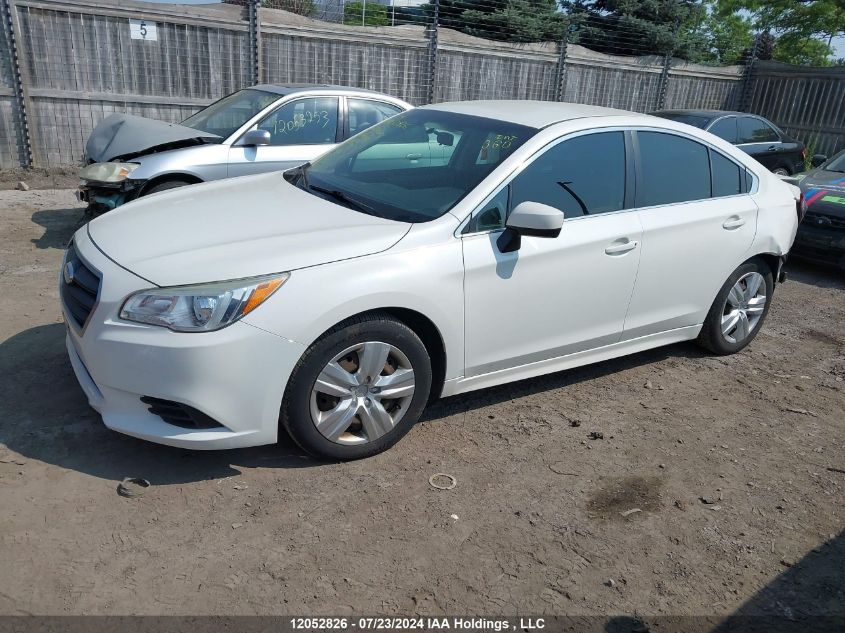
(67, 64)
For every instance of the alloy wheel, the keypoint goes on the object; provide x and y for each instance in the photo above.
(744, 307)
(362, 393)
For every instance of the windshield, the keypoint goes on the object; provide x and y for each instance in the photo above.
(415, 166)
(837, 163)
(689, 119)
(227, 115)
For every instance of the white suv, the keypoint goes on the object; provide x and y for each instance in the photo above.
(335, 300)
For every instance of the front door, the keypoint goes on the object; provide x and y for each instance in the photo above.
(300, 131)
(554, 296)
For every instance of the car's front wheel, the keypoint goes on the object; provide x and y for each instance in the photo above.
(358, 389)
(739, 310)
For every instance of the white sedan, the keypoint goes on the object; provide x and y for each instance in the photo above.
(333, 301)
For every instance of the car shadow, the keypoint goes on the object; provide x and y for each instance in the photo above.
(44, 415)
(815, 275)
(808, 596)
(511, 391)
(59, 226)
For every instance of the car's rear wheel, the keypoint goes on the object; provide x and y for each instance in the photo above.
(739, 310)
(781, 171)
(358, 389)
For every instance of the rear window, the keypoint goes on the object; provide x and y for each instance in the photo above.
(690, 119)
(752, 130)
(675, 169)
(727, 176)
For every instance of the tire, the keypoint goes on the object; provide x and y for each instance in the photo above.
(781, 171)
(164, 186)
(315, 415)
(734, 302)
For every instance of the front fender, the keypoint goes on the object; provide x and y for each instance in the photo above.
(426, 280)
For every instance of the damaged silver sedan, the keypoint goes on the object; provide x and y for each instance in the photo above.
(258, 129)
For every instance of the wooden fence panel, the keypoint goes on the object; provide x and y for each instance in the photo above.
(79, 63)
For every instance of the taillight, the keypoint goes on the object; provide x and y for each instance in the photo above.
(803, 153)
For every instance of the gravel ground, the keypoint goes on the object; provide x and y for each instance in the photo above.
(735, 465)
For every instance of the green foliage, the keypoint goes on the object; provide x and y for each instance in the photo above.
(728, 39)
(302, 7)
(640, 27)
(804, 29)
(797, 49)
(355, 13)
(510, 20)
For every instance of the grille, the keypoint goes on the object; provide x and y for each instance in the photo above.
(825, 221)
(79, 288)
(179, 414)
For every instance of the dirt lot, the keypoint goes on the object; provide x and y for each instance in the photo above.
(736, 464)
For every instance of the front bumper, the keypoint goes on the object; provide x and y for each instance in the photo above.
(236, 375)
(820, 245)
(102, 197)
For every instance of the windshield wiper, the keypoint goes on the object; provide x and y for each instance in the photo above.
(343, 198)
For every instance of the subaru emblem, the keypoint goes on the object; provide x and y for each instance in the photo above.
(67, 273)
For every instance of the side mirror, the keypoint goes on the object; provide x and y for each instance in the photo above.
(818, 160)
(256, 137)
(529, 218)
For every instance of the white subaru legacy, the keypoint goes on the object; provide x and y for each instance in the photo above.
(333, 301)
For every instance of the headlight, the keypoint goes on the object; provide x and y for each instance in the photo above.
(108, 172)
(201, 308)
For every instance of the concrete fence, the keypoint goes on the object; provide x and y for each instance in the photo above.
(66, 64)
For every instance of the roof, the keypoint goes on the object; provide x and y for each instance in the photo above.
(710, 114)
(287, 89)
(537, 114)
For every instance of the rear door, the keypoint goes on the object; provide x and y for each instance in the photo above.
(300, 130)
(698, 224)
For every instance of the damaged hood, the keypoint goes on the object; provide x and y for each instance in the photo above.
(236, 228)
(126, 136)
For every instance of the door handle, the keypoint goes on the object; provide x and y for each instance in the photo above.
(772, 148)
(414, 156)
(733, 223)
(620, 248)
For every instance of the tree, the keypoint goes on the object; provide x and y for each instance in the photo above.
(369, 14)
(510, 20)
(640, 27)
(728, 38)
(804, 29)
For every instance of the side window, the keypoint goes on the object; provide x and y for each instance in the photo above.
(752, 130)
(364, 113)
(581, 176)
(727, 177)
(674, 169)
(725, 129)
(308, 121)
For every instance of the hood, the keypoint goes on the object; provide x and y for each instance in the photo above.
(125, 136)
(240, 227)
(824, 192)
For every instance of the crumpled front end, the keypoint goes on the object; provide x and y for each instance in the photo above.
(102, 197)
